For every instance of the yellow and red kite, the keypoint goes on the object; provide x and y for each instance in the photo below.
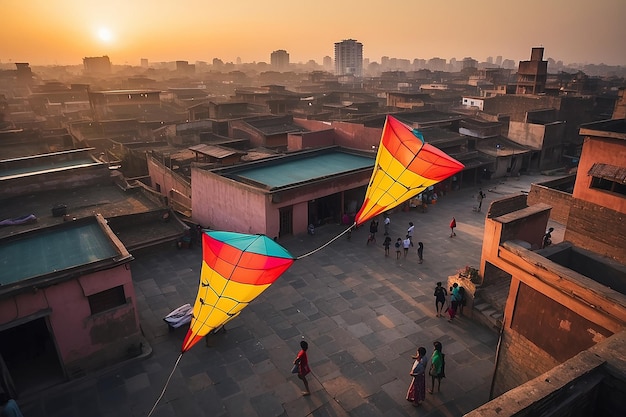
(405, 166)
(236, 268)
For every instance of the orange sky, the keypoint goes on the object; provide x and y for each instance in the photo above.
(47, 32)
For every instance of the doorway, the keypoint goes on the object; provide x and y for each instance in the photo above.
(31, 360)
(286, 221)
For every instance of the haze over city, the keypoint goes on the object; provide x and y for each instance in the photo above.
(63, 32)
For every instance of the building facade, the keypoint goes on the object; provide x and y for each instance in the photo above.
(349, 58)
(281, 196)
(532, 75)
(280, 60)
(67, 304)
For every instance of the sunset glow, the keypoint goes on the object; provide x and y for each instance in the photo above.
(65, 31)
(105, 35)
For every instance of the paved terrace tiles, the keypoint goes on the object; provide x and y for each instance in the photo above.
(363, 315)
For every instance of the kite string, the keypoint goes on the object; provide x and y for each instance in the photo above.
(327, 243)
(166, 384)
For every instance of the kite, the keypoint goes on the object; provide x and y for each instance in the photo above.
(405, 166)
(236, 268)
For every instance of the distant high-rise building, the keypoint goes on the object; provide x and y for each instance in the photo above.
(279, 60)
(349, 58)
(532, 75)
(144, 63)
(469, 62)
(489, 60)
(97, 65)
(508, 64)
(499, 60)
(327, 63)
(184, 67)
(437, 64)
(24, 73)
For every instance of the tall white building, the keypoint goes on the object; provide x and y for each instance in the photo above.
(349, 58)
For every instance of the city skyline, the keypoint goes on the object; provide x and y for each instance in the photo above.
(65, 31)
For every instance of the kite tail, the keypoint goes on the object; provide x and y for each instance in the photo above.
(166, 384)
(327, 243)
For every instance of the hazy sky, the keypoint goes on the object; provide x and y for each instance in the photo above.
(45, 32)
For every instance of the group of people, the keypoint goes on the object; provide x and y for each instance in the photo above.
(435, 366)
(457, 300)
(401, 245)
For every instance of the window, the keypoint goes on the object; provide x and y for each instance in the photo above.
(107, 299)
(608, 178)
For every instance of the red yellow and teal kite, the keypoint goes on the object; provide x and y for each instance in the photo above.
(236, 268)
(405, 166)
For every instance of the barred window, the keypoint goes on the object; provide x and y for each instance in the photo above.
(107, 299)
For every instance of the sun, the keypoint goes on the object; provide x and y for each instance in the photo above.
(105, 35)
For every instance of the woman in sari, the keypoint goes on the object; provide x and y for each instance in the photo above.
(417, 390)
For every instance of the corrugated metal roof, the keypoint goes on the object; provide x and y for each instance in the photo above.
(609, 172)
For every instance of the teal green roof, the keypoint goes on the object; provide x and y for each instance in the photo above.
(311, 168)
(53, 250)
(46, 165)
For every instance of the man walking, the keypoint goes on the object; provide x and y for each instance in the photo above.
(387, 223)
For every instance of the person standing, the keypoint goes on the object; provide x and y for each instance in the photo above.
(440, 298)
(409, 232)
(406, 243)
(437, 369)
(452, 226)
(8, 406)
(386, 245)
(417, 390)
(480, 198)
(302, 361)
(373, 231)
(398, 246)
(454, 301)
(547, 238)
(387, 224)
(420, 251)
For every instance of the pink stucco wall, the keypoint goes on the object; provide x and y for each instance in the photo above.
(167, 179)
(70, 318)
(308, 140)
(222, 204)
(349, 135)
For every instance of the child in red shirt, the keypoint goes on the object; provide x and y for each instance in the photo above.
(303, 366)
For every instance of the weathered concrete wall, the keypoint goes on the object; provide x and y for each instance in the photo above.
(552, 313)
(598, 229)
(318, 139)
(85, 341)
(349, 135)
(590, 384)
(559, 201)
(527, 134)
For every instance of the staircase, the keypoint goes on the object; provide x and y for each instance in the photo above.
(489, 302)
